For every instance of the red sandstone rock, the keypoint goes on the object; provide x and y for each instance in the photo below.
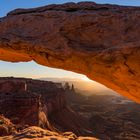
(30, 106)
(6, 127)
(36, 133)
(20, 107)
(10, 86)
(100, 41)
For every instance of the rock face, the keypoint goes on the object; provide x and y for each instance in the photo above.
(100, 41)
(21, 107)
(6, 127)
(30, 105)
(12, 86)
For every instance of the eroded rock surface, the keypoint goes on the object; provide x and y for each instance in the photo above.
(36, 133)
(6, 126)
(100, 41)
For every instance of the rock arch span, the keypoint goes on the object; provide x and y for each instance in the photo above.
(100, 41)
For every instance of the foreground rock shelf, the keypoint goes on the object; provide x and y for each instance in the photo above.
(100, 41)
(36, 133)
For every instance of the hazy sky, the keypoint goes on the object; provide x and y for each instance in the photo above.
(32, 69)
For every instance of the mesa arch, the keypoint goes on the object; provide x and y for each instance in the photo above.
(100, 41)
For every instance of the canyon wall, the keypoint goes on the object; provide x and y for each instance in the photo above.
(100, 41)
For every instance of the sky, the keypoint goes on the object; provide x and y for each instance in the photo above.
(31, 69)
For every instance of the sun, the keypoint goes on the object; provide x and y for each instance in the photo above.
(84, 78)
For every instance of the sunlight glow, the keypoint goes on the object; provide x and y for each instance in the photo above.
(85, 78)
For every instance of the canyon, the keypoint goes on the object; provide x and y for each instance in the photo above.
(45, 110)
(111, 117)
(99, 41)
(29, 108)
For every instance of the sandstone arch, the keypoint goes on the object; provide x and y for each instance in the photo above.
(100, 41)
